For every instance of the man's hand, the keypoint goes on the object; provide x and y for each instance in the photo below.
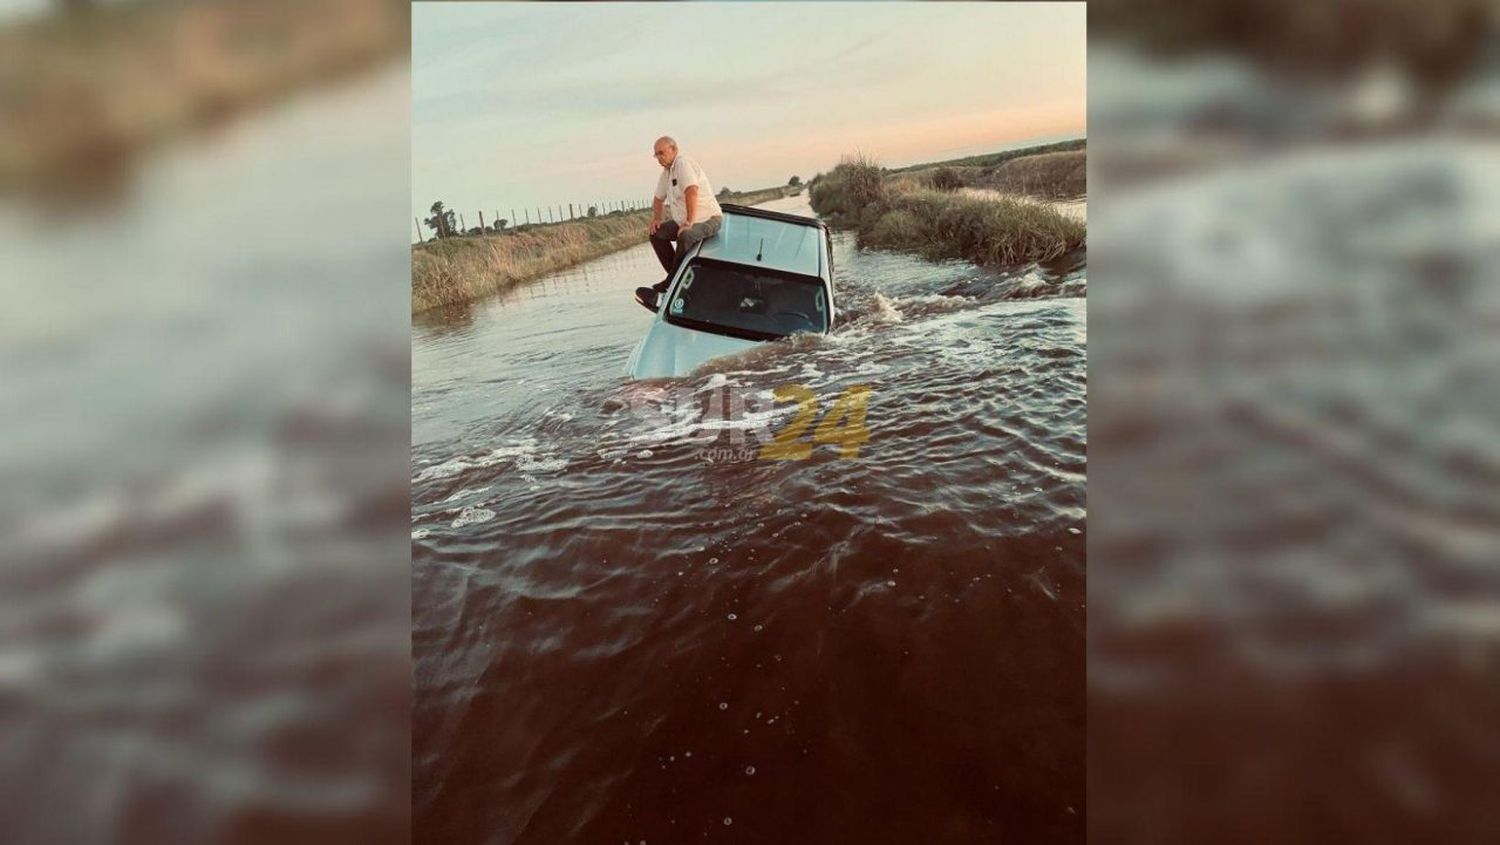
(651, 230)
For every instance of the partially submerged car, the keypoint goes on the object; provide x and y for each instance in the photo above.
(765, 275)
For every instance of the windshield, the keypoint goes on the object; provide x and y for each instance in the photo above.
(748, 301)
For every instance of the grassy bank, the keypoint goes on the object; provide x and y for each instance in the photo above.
(1053, 172)
(1050, 176)
(900, 211)
(83, 91)
(459, 269)
(988, 160)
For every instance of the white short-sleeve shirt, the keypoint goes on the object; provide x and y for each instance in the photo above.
(672, 185)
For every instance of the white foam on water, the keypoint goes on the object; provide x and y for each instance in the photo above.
(473, 516)
(883, 310)
(1032, 281)
(526, 455)
(715, 381)
(527, 463)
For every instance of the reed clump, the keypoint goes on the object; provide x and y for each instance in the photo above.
(899, 213)
(849, 190)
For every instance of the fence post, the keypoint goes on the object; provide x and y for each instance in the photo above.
(420, 239)
(570, 211)
(513, 217)
(463, 228)
(481, 222)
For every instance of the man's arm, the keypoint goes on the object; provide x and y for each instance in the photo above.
(656, 207)
(690, 199)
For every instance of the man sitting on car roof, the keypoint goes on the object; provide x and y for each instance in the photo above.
(683, 191)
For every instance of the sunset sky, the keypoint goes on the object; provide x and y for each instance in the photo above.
(525, 105)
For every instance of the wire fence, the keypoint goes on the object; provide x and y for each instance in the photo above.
(564, 212)
(494, 221)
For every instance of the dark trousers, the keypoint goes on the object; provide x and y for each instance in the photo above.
(668, 232)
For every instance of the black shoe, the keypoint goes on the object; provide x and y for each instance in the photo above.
(661, 286)
(646, 297)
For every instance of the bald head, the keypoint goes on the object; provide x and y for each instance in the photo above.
(665, 150)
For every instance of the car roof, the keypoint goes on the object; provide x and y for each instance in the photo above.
(779, 242)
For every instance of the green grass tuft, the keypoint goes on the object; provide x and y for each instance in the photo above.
(845, 192)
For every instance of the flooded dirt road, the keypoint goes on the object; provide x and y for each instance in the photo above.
(629, 625)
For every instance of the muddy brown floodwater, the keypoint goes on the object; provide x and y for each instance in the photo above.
(628, 626)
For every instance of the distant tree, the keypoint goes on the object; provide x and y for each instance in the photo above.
(443, 223)
(501, 224)
(795, 181)
(724, 192)
(475, 230)
(593, 211)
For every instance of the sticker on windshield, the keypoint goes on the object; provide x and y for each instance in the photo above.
(677, 305)
(687, 279)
